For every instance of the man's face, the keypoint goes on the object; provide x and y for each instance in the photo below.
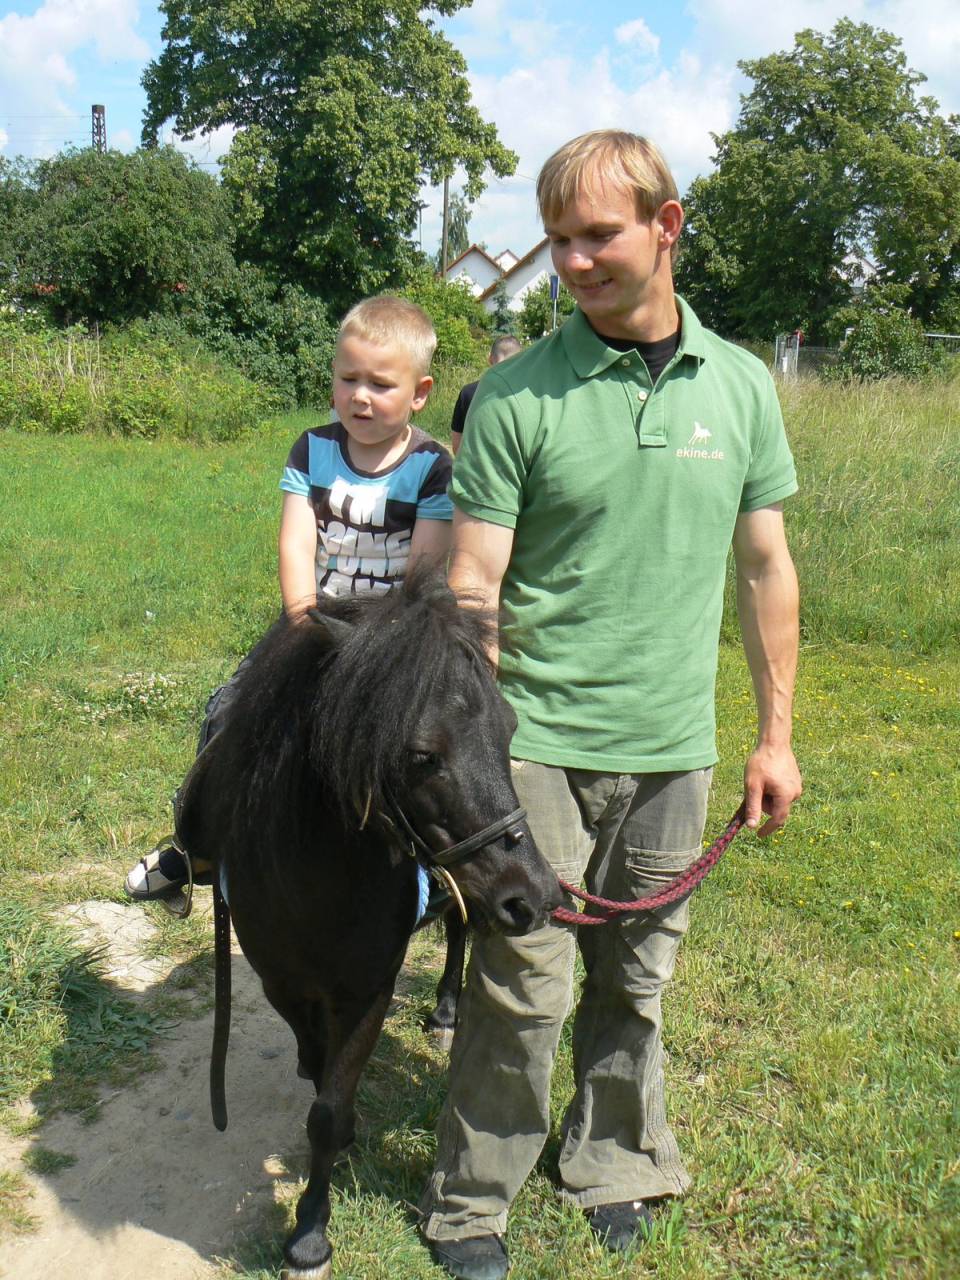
(608, 258)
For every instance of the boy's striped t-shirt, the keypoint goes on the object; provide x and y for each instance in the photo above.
(365, 519)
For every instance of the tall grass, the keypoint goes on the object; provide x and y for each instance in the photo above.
(876, 524)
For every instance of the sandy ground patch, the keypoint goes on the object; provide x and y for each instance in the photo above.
(156, 1192)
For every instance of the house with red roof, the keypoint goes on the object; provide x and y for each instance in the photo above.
(481, 273)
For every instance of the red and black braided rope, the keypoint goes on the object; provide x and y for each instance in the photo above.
(679, 887)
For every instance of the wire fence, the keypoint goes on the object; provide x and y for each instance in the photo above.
(794, 358)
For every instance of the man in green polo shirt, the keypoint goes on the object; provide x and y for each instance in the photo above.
(606, 473)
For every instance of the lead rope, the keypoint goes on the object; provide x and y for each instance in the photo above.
(679, 887)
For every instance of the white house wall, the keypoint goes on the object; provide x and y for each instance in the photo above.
(475, 271)
(522, 279)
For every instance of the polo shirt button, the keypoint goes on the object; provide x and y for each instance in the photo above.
(626, 362)
(641, 396)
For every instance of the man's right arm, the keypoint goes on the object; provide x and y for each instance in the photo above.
(479, 559)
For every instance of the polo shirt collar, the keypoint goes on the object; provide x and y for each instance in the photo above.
(590, 355)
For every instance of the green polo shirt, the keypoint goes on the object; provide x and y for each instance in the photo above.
(623, 498)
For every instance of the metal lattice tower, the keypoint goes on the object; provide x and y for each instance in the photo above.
(99, 123)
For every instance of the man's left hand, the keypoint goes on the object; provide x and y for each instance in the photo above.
(771, 783)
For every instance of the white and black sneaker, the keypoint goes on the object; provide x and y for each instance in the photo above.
(162, 873)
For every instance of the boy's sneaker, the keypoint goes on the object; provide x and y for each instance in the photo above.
(161, 873)
(620, 1226)
(478, 1258)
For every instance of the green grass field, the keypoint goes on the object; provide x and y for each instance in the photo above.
(814, 1027)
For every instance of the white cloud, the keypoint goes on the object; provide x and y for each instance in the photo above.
(638, 34)
(492, 29)
(4, 138)
(737, 29)
(55, 67)
(39, 53)
(61, 27)
(931, 45)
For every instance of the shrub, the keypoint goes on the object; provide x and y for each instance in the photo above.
(461, 323)
(276, 334)
(883, 344)
(536, 314)
(129, 383)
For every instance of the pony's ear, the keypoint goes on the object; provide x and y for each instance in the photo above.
(337, 630)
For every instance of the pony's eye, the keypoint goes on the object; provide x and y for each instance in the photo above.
(427, 760)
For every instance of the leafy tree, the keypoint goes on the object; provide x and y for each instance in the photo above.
(15, 196)
(341, 110)
(458, 231)
(836, 169)
(458, 227)
(536, 314)
(111, 237)
(503, 319)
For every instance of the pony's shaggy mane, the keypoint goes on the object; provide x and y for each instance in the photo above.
(340, 697)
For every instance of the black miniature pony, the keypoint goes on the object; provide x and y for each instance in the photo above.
(368, 734)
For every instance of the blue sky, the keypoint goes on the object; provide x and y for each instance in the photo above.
(541, 72)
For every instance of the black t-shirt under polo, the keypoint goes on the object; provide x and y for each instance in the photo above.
(655, 355)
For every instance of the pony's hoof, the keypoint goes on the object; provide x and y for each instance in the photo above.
(442, 1038)
(323, 1272)
(307, 1254)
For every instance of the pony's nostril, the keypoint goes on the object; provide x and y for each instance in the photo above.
(518, 914)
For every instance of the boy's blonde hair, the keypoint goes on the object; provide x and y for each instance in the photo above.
(626, 160)
(393, 322)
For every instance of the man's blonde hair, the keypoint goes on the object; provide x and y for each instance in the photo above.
(626, 160)
(393, 322)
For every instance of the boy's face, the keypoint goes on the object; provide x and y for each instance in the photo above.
(375, 389)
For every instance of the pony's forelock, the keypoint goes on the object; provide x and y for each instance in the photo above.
(401, 648)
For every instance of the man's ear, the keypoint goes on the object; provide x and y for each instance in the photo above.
(669, 218)
(421, 392)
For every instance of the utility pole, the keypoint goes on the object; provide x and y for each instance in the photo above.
(446, 224)
(99, 127)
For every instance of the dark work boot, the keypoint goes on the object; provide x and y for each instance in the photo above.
(620, 1226)
(479, 1258)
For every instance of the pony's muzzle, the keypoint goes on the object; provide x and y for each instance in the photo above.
(520, 909)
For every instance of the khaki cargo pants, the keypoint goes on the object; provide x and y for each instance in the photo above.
(624, 835)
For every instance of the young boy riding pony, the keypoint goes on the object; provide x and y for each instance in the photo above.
(364, 498)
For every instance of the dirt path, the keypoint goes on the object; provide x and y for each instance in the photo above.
(156, 1193)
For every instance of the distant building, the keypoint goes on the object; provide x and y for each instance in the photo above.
(475, 269)
(858, 271)
(481, 273)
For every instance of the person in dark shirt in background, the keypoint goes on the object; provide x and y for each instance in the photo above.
(502, 349)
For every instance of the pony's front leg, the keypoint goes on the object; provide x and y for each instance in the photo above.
(351, 1035)
(442, 1022)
